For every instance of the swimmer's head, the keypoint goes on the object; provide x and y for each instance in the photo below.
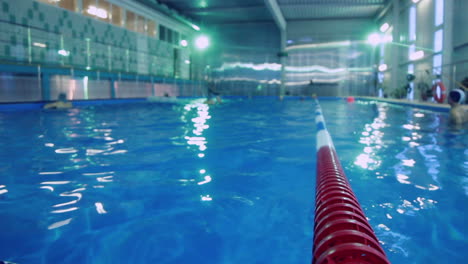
(457, 96)
(62, 97)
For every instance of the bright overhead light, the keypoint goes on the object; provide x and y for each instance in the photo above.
(387, 38)
(184, 43)
(197, 28)
(374, 39)
(40, 45)
(187, 62)
(417, 55)
(416, 1)
(383, 67)
(202, 42)
(384, 27)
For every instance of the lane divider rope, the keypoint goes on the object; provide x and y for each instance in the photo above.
(342, 233)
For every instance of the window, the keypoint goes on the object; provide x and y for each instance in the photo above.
(151, 28)
(51, 2)
(175, 37)
(87, 6)
(411, 50)
(117, 16)
(438, 40)
(437, 64)
(411, 68)
(439, 12)
(141, 26)
(162, 32)
(104, 11)
(169, 35)
(412, 23)
(131, 20)
(68, 4)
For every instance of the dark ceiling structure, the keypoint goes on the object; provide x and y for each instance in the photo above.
(256, 11)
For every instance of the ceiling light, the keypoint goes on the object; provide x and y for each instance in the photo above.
(383, 67)
(202, 42)
(384, 27)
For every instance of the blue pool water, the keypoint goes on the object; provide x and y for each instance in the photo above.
(231, 183)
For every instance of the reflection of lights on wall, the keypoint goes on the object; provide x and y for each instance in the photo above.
(99, 12)
(40, 45)
(64, 53)
(374, 39)
(320, 45)
(417, 55)
(383, 67)
(187, 62)
(255, 67)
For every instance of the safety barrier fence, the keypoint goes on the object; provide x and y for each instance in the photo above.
(342, 233)
(35, 83)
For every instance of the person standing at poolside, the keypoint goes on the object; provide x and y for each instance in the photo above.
(458, 112)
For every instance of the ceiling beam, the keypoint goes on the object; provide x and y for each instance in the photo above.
(275, 11)
(207, 10)
(335, 3)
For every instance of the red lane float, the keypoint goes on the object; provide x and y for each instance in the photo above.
(342, 234)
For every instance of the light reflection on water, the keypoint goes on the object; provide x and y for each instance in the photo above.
(419, 165)
(221, 179)
(194, 137)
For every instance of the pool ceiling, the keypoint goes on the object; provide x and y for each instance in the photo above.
(255, 11)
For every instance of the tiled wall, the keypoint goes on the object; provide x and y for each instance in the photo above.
(33, 32)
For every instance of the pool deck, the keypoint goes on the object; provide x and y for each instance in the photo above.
(417, 104)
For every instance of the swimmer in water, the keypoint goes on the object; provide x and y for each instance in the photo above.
(458, 112)
(61, 103)
(213, 93)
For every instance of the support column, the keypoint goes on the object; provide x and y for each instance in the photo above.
(275, 11)
(395, 48)
(447, 54)
(283, 61)
(112, 87)
(45, 85)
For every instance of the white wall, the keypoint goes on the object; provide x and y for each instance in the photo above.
(329, 30)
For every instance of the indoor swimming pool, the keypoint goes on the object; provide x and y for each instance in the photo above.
(229, 183)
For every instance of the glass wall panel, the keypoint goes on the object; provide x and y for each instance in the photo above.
(68, 4)
(169, 35)
(19, 88)
(104, 11)
(175, 38)
(51, 2)
(439, 12)
(162, 32)
(131, 20)
(141, 26)
(151, 28)
(117, 16)
(88, 7)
